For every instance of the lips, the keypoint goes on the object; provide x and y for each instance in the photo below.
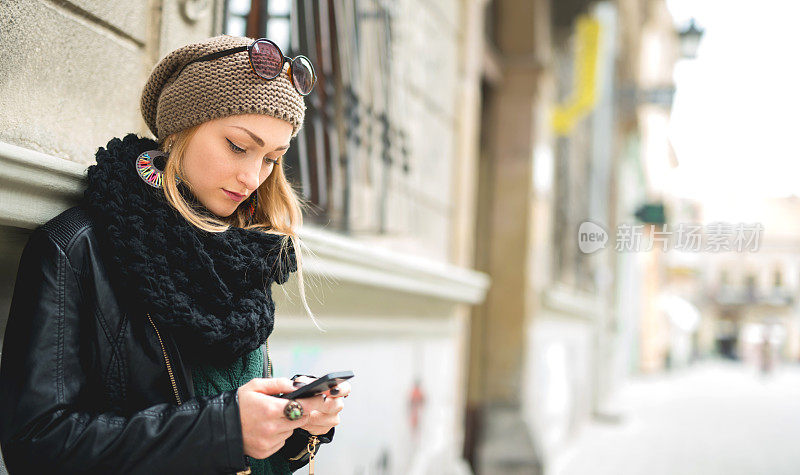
(234, 196)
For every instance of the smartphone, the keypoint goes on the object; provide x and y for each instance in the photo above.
(319, 385)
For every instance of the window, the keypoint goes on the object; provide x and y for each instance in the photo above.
(330, 158)
(236, 12)
(260, 19)
(277, 20)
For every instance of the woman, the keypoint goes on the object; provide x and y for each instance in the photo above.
(137, 334)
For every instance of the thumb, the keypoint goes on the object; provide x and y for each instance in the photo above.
(270, 386)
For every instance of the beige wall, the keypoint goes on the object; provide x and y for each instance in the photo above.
(434, 98)
(72, 72)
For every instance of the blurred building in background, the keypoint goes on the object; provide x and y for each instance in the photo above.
(456, 156)
(577, 97)
(751, 298)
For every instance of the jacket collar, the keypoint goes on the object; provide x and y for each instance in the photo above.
(212, 290)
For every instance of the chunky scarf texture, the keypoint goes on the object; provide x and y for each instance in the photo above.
(211, 290)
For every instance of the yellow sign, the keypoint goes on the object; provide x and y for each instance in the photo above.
(583, 96)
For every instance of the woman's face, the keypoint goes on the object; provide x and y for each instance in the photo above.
(233, 156)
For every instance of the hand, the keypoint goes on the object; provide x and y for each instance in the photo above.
(264, 426)
(326, 416)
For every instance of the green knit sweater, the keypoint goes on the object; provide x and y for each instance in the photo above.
(210, 380)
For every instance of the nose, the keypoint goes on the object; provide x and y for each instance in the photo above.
(249, 176)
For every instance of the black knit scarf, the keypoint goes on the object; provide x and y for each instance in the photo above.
(212, 291)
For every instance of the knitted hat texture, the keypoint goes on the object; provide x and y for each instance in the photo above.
(207, 90)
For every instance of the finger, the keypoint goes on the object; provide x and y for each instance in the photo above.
(270, 386)
(315, 418)
(311, 403)
(332, 405)
(323, 419)
(323, 422)
(287, 424)
(340, 390)
(303, 421)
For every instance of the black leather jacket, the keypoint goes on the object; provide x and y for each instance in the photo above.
(84, 387)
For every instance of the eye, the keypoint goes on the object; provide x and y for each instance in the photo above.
(234, 148)
(272, 161)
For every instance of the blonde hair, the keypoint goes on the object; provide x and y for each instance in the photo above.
(279, 209)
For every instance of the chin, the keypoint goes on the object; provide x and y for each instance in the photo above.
(226, 213)
(222, 211)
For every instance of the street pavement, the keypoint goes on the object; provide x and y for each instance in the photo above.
(710, 418)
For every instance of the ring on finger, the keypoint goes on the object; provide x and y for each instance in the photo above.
(293, 410)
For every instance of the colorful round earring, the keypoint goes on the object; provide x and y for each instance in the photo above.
(150, 165)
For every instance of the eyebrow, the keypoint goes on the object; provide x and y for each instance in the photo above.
(258, 140)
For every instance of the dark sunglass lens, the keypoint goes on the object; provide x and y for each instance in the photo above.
(303, 74)
(267, 59)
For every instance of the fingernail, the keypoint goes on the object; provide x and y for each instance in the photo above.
(297, 384)
(334, 391)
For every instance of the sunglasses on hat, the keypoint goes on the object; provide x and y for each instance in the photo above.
(267, 61)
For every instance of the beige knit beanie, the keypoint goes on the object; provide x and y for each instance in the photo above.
(208, 90)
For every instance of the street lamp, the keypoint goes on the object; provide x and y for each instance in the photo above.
(690, 40)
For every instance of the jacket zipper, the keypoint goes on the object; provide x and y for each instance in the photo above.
(166, 359)
(269, 360)
(312, 441)
(172, 378)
